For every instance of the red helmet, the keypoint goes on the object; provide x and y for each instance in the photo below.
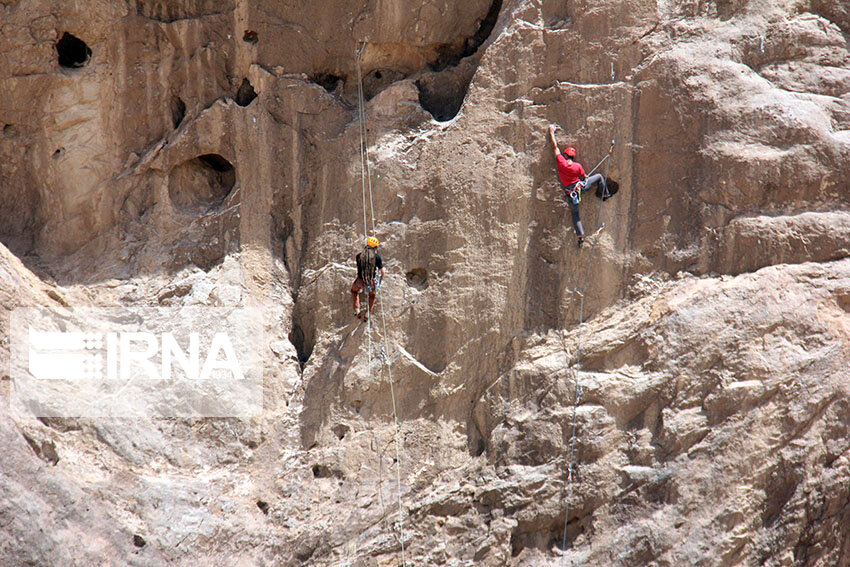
(571, 152)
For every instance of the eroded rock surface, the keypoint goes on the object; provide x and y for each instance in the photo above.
(207, 153)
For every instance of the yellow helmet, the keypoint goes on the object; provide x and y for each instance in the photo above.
(372, 242)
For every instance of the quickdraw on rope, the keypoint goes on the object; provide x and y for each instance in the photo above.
(366, 183)
(578, 388)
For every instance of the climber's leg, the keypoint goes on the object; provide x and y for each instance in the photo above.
(593, 180)
(355, 296)
(576, 220)
(371, 301)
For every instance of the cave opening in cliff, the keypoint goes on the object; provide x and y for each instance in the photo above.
(246, 93)
(442, 94)
(442, 91)
(303, 344)
(201, 184)
(251, 37)
(178, 110)
(450, 55)
(327, 81)
(73, 52)
(417, 278)
(472, 44)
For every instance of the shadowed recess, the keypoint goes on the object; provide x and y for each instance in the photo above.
(442, 92)
(73, 52)
(246, 93)
(201, 184)
(178, 110)
(327, 81)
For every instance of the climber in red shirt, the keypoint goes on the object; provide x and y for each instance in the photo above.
(574, 181)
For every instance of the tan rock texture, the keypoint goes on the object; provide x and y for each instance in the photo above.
(199, 152)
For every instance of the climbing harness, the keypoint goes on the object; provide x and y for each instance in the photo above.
(366, 183)
(579, 390)
(574, 194)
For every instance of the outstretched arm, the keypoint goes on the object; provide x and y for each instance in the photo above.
(554, 142)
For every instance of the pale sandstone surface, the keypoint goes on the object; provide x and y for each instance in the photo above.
(713, 423)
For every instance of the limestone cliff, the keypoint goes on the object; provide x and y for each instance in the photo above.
(199, 152)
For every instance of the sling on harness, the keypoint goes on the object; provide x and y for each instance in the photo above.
(574, 192)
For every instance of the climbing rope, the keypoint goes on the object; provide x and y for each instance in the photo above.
(578, 388)
(366, 183)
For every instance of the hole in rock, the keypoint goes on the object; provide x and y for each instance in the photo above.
(378, 80)
(484, 29)
(322, 471)
(201, 184)
(178, 110)
(635, 423)
(46, 450)
(263, 506)
(327, 81)
(844, 302)
(59, 153)
(613, 187)
(10, 131)
(250, 36)
(442, 94)
(480, 446)
(139, 541)
(576, 529)
(246, 93)
(516, 544)
(417, 277)
(73, 52)
(302, 343)
(451, 56)
(340, 430)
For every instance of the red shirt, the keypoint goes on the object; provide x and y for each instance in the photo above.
(569, 172)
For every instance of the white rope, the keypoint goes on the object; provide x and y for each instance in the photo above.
(363, 175)
(366, 181)
(578, 388)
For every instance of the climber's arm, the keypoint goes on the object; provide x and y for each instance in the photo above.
(554, 142)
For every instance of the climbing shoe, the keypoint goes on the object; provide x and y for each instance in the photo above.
(357, 314)
(580, 241)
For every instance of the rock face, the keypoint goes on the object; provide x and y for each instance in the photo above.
(207, 153)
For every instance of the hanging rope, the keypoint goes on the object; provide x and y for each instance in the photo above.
(578, 388)
(366, 183)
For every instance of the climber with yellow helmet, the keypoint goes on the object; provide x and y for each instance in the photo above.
(369, 266)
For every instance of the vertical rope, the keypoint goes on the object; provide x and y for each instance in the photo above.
(366, 182)
(361, 120)
(363, 174)
(578, 391)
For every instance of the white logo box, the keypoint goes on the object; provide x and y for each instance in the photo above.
(137, 362)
